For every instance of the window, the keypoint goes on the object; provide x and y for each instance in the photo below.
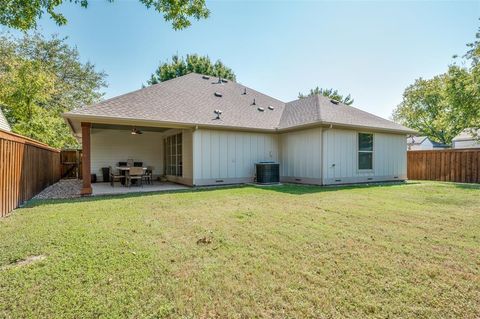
(173, 155)
(365, 151)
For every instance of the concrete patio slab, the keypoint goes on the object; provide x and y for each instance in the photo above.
(107, 189)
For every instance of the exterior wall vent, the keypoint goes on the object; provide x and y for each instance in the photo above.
(261, 109)
(338, 180)
(218, 94)
(271, 108)
(369, 179)
(219, 181)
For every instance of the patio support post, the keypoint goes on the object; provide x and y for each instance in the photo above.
(87, 186)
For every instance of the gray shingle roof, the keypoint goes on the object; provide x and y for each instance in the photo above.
(191, 99)
(416, 140)
(466, 135)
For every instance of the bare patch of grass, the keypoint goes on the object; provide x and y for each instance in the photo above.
(24, 262)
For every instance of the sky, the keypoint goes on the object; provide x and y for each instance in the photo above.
(372, 50)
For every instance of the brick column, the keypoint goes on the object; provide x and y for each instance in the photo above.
(87, 186)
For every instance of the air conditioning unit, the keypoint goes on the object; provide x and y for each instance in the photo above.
(268, 172)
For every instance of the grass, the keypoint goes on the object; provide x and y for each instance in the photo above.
(392, 251)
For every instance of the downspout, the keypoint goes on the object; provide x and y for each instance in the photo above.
(321, 156)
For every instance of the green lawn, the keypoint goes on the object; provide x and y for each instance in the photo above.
(393, 251)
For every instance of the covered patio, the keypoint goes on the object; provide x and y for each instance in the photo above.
(120, 147)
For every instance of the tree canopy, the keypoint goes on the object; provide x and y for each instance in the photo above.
(330, 93)
(24, 14)
(443, 106)
(179, 66)
(39, 80)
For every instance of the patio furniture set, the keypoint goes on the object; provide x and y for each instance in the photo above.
(130, 173)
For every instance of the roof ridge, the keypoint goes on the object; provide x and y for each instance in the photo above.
(144, 88)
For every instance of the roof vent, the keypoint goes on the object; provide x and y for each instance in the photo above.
(205, 77)
(218, 112)
(334, 101)
(261, 109)
(219, 80)
(271, 108)
(224, 81)
(254, 103)
(244, 91)
(218, 94)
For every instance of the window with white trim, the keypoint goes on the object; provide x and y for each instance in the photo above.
(365, 151)
(173, 155)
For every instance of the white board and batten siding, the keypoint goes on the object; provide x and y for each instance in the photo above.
(301, 156)
(108, 147)
(4, 123)
(229, 157)
(340, 163)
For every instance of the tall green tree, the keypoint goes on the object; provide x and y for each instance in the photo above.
(39, 80)
(425, 108)
(445, 105)
(179, 66)
(24, 14)
(330, 93)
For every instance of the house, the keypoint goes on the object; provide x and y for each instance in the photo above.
(466, 140)
(201, 130)
(4, 123)
(417, 143)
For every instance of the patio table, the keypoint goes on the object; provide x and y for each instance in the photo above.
(126, 169)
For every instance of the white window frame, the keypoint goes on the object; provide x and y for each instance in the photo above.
(359, 151)
(173, 148)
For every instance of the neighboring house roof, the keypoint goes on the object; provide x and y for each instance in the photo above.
(419, 140)
(191, 99)
(465, 135)
(416, 140)
(4, 123)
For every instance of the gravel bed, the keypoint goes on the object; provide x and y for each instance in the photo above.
(65, 188)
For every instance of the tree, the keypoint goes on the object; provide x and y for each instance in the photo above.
(192, 63)
(445, 105)
(330, 93)
(23, 14)
(425, 108)
(39, 80)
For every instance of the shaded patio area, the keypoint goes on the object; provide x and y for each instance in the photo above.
(107, 189)
(71, 188)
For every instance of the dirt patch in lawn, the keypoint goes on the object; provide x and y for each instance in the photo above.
(24, 262)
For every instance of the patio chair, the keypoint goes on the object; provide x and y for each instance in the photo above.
(138, 164)
(130, 162)
(115, 176)
(135, 174)
(147, 177)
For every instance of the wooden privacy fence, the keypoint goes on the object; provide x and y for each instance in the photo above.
(71, 163)
(451, 165)
(26, 168)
